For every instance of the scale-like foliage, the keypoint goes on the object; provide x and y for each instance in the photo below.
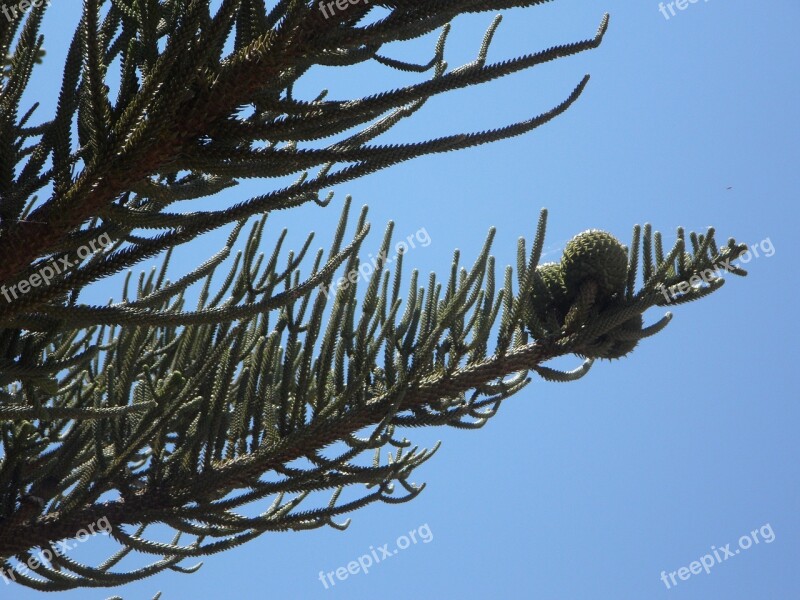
(282, 384)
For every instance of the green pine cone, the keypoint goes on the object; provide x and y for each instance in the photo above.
(622, 347)
(598, 255)
(549, 300)
(609, 347)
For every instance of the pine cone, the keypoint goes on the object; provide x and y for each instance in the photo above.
(549, 300)
(598, 255)
(615, 344)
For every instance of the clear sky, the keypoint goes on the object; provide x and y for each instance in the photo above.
(586, 490)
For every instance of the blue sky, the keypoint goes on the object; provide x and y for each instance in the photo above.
(586, 490)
